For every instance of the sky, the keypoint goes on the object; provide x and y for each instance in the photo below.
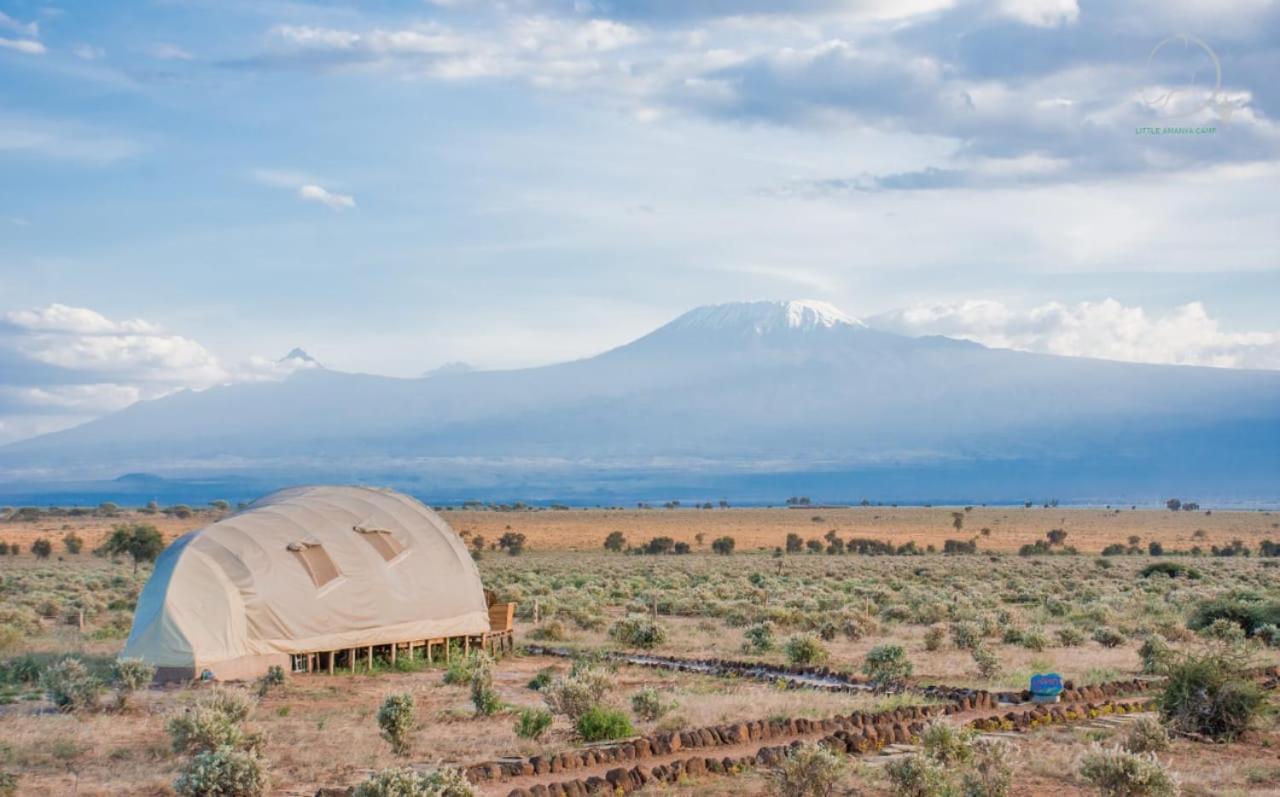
(191, 188)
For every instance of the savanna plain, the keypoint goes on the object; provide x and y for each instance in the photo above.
(891, 600)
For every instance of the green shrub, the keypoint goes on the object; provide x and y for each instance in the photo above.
(408, 782)
(599, 724)
(810, 770)
(723, 545)
(1170, 569)
(211, 722)
(638, 630)
(274, 677)
(965, 635)
(550, 631)
(42, 548)
(223, 772)
(934, 637)
(396, 721)
(1210, 695)
(948, 744)
(1146, 736)
(128, 676)
(483, 696)
(70, 685)
(10, 638)
(458, 672)
(1155, 654)
(72, 542)
(531, 723)
(577, 693)
(1035, 639)
(1107, 637)
(1116, 773)
(759, 638)
(542, 679)
(988, 662)
(917, 775)
(1069, 637)
(805, 649)
(1224, 630)
(887, 665)
(1248, 614)
(990, 773)
(648, 705)
(1268, 634)
(8, 784)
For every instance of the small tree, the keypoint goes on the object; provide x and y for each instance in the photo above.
(41, 548)
(794, 543)
(483, 696)
(615, 542)
(72, 542)
(723, 545)
(1211, 695)
(887, 665)
(805, 649)
(128, 676)
(512, 542)
(141, 542)
(396, 721)
(1056, 536)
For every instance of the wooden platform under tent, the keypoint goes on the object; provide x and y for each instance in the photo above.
(499, 639)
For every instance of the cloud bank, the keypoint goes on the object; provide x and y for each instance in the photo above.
(61, 365)
(1107, 330)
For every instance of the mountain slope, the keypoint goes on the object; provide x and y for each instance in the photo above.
(789, 387)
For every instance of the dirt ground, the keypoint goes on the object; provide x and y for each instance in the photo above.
(1007, 528)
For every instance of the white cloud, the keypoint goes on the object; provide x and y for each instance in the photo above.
(169, 52)
(87, 52)
(1107, 330)
(63, 365)
(25, 28)
(1041, 13)
(28, 46)
(314, 193)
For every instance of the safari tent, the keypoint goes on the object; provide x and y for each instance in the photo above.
(308, 578)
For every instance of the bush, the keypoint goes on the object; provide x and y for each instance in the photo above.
(638, 630)
(542, 679)
(224, 772)
(1107, 637)
(550, 631)
(1155, 654)
(1248, 614)
(396, 720)
(917, 775)
(458, 671)
(1069, 637)
(8, 784)
(599, 724)
(648, 705)
(577, 693)
(1116, 773)
(1146, 736)
(533, 722)
(803, 649)
(213, 721)
(1170, 569)
(1034, 639)
(1267, 633)
(723, 545)
(72, 542)
(966, 636)
(988, 662)
(275, 677)
(948, 744)
(615, 542)
(887, 665)
(483, 696)
(1224, 630)
(810, 770)
(408, 782)
(42, 548)
(1210, 695)
(990, 774)
(934, 637)
(759, 638)
(70, 686)
(128, 676)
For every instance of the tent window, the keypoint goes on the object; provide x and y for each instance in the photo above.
(387, 546)
(315, 561)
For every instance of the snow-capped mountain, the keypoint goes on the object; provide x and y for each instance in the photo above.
(748, 398)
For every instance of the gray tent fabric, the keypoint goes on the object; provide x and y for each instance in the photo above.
(302, 570)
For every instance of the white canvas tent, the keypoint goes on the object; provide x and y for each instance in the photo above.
(306, 570)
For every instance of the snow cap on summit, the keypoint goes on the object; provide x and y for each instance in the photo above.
(767, 316)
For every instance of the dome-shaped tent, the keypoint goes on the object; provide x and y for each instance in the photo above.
(303, 570)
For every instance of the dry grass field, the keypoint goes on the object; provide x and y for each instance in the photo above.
(996, 528)
(1084, 616)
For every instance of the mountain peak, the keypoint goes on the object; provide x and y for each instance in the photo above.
(767, 316)
(298, 356)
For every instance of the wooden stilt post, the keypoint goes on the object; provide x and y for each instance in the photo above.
(371, 658)
(394, 645)
(353, 660)
(331, 658)
(466, 646)
(448, 650)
